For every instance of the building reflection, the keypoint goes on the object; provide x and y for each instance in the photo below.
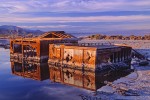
(36, 71)
(83, 79)
(87, 79)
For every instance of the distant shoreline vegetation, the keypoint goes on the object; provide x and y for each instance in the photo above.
(116, 37)
(93, 37)
(5, 36)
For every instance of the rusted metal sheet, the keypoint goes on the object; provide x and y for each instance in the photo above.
(72, 56)
(55, 52)
(87, 57)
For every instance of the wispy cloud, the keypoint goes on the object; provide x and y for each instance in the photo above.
(77, 19)
(74, 5)
(46, 26)
(75, 11)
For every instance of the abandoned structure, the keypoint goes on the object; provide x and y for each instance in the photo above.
(94, 58)
(61, 49)
(37, 49)
(69, 62)
(36, 71)
(88, 66)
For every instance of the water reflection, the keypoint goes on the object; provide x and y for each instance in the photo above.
(84, 79)
(36, 71)
(81, 78)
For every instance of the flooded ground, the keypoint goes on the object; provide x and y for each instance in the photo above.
(33, 85)
(14, 87)
(73, 84)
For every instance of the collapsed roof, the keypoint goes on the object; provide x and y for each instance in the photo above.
(56, 34)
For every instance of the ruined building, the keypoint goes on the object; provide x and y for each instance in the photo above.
(96, 57)
(37, 49)
(63, 50)
(69, 62)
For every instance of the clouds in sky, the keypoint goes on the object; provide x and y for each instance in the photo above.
(74, 5)
(64, 13)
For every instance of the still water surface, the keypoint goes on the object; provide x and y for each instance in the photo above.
(14, 87)
(18, 87)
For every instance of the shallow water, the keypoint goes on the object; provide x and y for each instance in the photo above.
(15, 87)
(4, 41)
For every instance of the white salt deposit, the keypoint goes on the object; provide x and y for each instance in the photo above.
(137, 83)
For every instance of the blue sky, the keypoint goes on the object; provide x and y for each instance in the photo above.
(76, 15)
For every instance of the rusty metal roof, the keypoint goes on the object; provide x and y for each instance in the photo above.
(56, 34)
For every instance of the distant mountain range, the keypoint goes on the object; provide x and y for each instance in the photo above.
(9, 29)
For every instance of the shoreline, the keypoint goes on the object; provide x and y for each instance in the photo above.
(135, 44)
